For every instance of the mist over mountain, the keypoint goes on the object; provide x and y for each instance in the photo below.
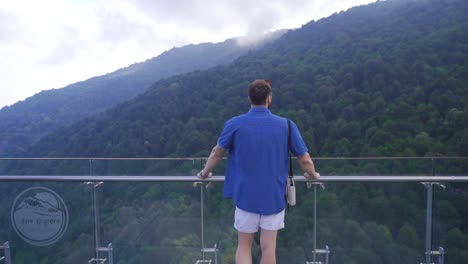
(26, 121)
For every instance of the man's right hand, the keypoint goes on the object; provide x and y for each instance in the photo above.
(316, 176)
(307, 176)
(202, 175)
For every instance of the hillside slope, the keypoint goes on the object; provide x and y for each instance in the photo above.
(25, 122)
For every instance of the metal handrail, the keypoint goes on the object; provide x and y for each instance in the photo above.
(204, 158)
(137, 178)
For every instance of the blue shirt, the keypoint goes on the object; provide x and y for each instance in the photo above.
(258, 159)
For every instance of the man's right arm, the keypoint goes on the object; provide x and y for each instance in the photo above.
(308, 167)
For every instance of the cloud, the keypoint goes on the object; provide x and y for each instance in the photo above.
(250, 18)
(9, 26)
(13, 31)
(67, 47)
(193, 21)
(122, 25)
(117, 28)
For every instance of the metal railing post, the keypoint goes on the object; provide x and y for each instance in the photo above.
(96, 219)
(202, 201)
(96, 212)
(428, 248)
(427, 253)
(6, 253)
(110, 254)
(316, 251)
(204, 250)
(314, 258)
(214, 250)
(327, 255)
(97, 224)
(441, 256)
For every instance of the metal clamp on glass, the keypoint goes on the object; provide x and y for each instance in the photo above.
(325, 252)
(439, 254)
(109, 258)
(214, 250)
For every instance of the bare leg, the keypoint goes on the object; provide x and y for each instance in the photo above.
(244, 248)
(268, 246)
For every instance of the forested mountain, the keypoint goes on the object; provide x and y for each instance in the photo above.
(386, 79)
(25, 122)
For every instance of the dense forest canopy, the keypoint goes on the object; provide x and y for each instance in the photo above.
(386, 79)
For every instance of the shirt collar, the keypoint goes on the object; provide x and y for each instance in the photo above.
(259, 109)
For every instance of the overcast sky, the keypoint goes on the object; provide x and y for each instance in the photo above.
(52, 43)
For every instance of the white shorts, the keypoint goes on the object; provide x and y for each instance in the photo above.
(247, 222)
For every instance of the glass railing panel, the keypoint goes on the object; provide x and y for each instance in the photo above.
(151, 222)
(220, 237)
(366, 220)
(45, 167)
(450, 166)
(46, 222)
(118, 167)
(450, 221)
(373, 166)
(161, 222)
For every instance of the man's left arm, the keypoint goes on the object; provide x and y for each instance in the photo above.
(300, 150)
(216, 155)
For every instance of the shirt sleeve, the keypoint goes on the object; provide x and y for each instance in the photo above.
(225, 140)
(298, 147)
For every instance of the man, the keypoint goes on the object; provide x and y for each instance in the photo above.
(257, 169)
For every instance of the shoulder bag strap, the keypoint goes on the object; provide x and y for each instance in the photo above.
(289, 149)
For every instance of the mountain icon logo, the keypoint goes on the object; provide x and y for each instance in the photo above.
(39, 216)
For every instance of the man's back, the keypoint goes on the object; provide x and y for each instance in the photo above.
(258, 160)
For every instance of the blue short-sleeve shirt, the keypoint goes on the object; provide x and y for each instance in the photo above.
(258, 159)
